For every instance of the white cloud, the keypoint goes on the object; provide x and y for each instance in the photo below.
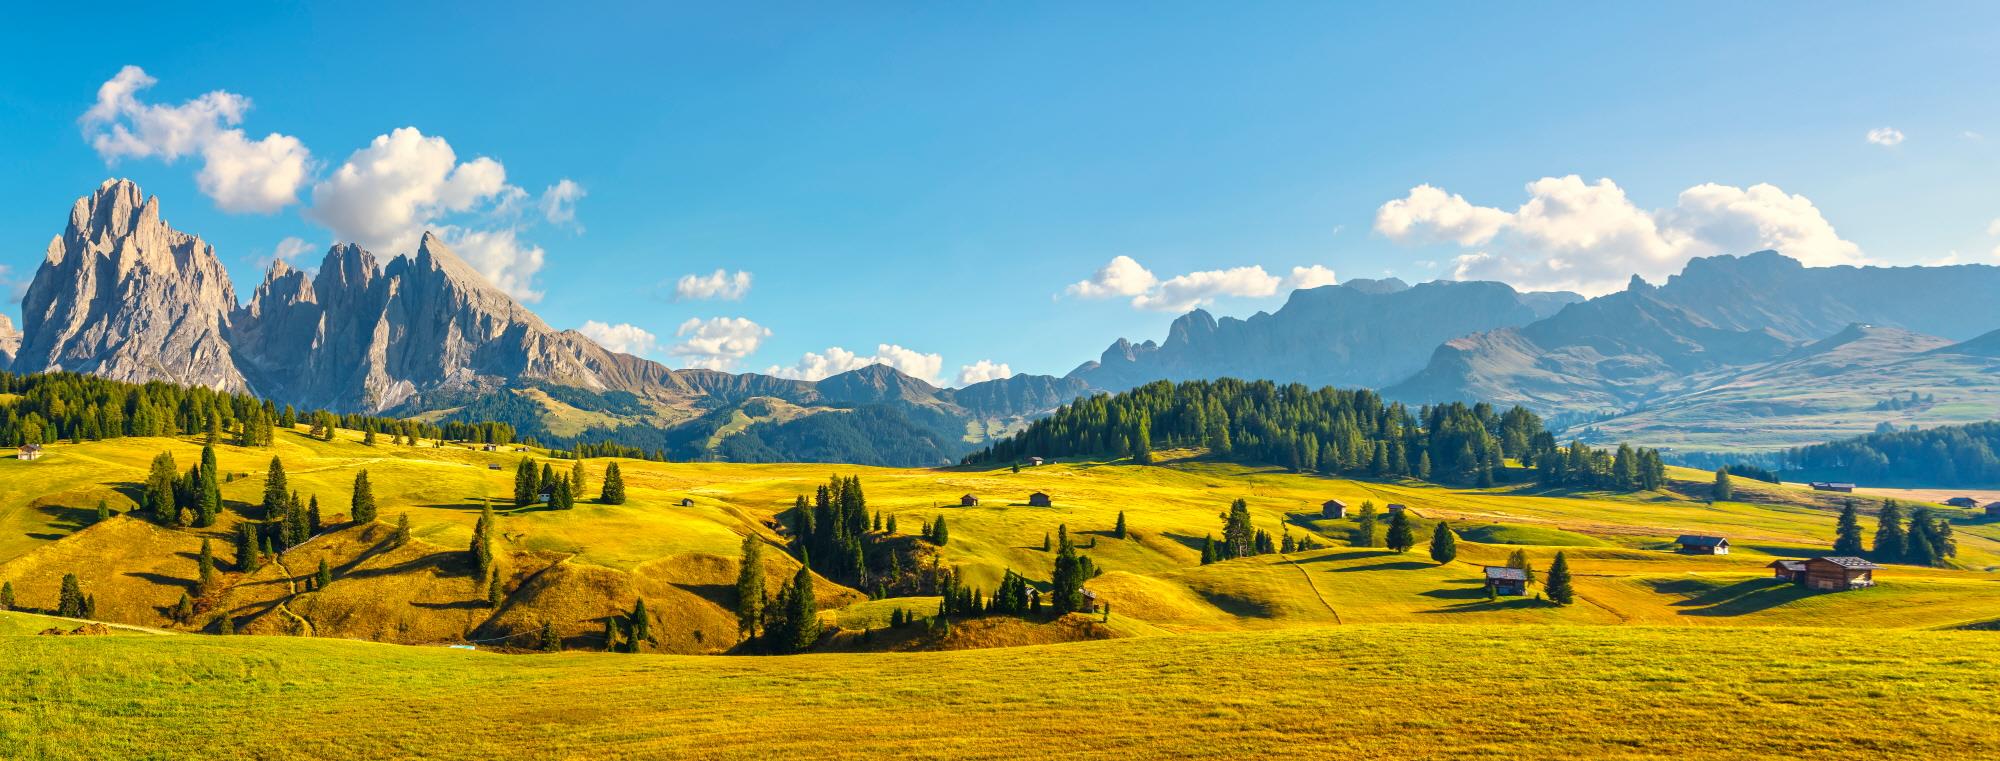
(1122, 277)
(558, 202)
(623, 337)
(1885, 136)
(507, 262)
(292, 248)
(718, 285)
(836, 360)
(1310, 277)
(982, 371)
(239, 174)
(1993, 228)
(717, 343)
(1430, 215)
(385, 195)
(1589, 237)
(1184, 292)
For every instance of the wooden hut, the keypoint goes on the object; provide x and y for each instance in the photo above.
(1993, 509)
(1839, 486)
(687, 502)
(1788, 570)
(1034, 461)
(1839, 574)
(1961, 502)
(968, 501)
(492, 466)
(1507, 581)
(29, 452)
(1039, 499)
(1696, 544)
(1397, 507)
(1333, 508)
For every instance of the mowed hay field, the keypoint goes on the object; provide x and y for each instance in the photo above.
(1394, 691)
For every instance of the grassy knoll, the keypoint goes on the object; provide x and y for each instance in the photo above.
(1355, 692)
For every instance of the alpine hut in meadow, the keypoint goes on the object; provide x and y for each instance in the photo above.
(1397, 507)
(1507, 581)
(1839, 486)
(1961, 502)
(29, 452)
(1788, 570)
(968, 501)
(1039, 499)
(1993, 509)
(1333, 508)
(1696, 544)
(1839, 574)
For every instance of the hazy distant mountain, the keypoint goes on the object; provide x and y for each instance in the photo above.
(1621, 349)
(1359, 333)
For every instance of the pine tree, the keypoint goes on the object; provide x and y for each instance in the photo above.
(103, 511)
(70, 601)
(1723, 491)
(801, 613)
(1519, 559)
(892, 524)
(6, 595)
(183, 610)
(324, 576)
(159, 491)
(482, 542)
(1364, 532)
(1119, 530)
(614, 486)
(494, 591)
(1239, 539)
(527, 483)
(750, 588)
(247, 559)
(402, 535)
(1889, 539)
(1558, 586)
(275, 490)
(640, 623)
(362, 508)
(939, 533)
(1208, 550)
(1847, 537)
(1401, 538)
(576, 477)
(205, 568)
(550, 642)
(1444, 544)
(1067, 582)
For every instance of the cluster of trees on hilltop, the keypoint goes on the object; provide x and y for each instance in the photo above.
(1924, 538)
(1627, 469)
(1328, 430)
(1952, 455)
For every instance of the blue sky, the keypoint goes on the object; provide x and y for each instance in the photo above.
(941, 177)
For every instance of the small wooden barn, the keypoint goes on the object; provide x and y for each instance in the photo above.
(1507, 581)
(1397, 507)
(1696, 544)
(1839, 486)
(1788, 570)
(492, 466)
(687, 502)
(968, 501)
(1961, 502)
(1034, 461)
(29, 452)
(489, 448)
(1839, 574)
(1039, 499)
(1993, 509)
(1333, 508)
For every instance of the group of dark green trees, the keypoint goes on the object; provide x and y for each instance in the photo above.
(1951, 455)
(1920, 539)
(193, 498)
(788, 623)
(1328, 430)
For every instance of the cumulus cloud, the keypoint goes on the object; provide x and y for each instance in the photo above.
(1591, 238)
(982, 371)
(623, 337)
(1122, 277)
(727, 286)
(1184, 292)
(717, 343)
(558, 202)
(1310, 277)
(239, 174)
(291, 248)
(501, 256)
(836, 360)
(386, 194)
(1885, 136)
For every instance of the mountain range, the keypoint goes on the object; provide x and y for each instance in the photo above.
(1754, 351)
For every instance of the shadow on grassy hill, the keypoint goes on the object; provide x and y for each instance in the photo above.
(1744, 597)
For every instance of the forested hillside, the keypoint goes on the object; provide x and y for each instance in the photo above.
(1953, 455)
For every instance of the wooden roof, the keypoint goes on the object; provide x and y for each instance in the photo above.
(1849, 563)
(1697, 540)
(1789, 565)
(1503, 573)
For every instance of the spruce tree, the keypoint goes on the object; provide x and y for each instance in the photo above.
(247, 559)
(892, 524)
(1046, 544)
(1919, 547)
(1723, 491)
(1400, 538)
(939, 533)
(565, 496)
(801, 613)
(210, 505)
(494, 591)
(1208, 551)
(324, 576)
(1444, 544)
(205, 568)
(159, 491)
(1119, 530)
(527, 482)
(275, 490)
(550, 642)
(103, 511)
(1067, 581)
(225, 625)
(6, 595)
(576, 477)
(1364, 531)
(183, 610)
(70, 601)
(362, 508)
(1519, 559)
(1847, 537)
(482, 542)
(614, 486)
(640, 623)
(750, 588)
(1558, 587)
(1239, 538)
(1889, 539)
(402, 535)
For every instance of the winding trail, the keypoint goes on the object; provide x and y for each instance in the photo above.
(292, 584)
(1315, 588)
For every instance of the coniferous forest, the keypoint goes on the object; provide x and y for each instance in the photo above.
(1952, 455)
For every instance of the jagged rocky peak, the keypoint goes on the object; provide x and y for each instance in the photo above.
(10, 342)
(123, 294)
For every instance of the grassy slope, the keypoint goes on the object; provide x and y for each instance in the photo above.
(1356, 692)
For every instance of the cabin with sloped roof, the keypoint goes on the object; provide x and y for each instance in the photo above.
(968, 501)
(1788, 570)
(29, 452)
(1839, 574)
(1839, 486)
(1333, 508)
(1507, 581)
(1040, 499)
(1397, 507)
(1696, 544)
(1961, 502)
(1993, 509)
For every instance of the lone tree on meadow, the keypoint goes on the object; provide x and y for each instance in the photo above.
(1067, 581)
(70, 602)
(940, 534)
(277, 495)
(482, 542)
(1239, 539)
(1847, 537)
(1364, 533)
(1444, 544)
(614, 486)
(1723, 491)
(1401, 538)
(527, 482)
(1118, 531)
(1558, 586)
(6, 595)
(576, 476)
(362, 508)
(205, 568)
(750, 588)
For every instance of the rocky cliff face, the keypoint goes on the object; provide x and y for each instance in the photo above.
(124, 295)
(1358, 333)
(10, 342)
